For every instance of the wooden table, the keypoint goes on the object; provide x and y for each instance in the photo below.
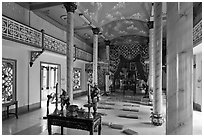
(83, 121)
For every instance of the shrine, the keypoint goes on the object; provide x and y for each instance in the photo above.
(101, 68)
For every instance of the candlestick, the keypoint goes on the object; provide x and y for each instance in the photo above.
(89, 94)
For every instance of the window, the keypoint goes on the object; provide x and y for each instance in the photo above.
(8, 80)
(77, 79)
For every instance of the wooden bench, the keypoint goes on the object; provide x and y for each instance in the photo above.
(7, 105)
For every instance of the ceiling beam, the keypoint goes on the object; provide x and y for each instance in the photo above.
(83, 28)
(44, 5)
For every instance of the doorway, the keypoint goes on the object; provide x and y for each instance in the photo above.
(50, 75)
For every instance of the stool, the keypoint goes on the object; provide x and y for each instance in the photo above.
(7, 105)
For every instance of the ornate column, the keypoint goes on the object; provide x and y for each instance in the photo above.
(157, 118)
(151, 55)
(179, 68)
(107, 42)
(70, 7)
(95, 54)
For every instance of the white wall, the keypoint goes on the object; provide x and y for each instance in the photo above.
(31, 86)
(198, 79)
(50, 57)
(84, 75)
(19, 52)
(34, 73)
(197, 75)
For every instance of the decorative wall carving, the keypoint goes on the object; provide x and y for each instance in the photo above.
(8, 80)
(129, 48)
(77, 79)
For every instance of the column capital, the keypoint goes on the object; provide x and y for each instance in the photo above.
(70, 6)
(96, 31)
(107, 42)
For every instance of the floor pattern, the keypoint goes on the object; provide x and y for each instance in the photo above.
(32, 123)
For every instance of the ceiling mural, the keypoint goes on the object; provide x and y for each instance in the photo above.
(115, 19)
(105, 12)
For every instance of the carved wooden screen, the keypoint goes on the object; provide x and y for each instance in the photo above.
(77, 79)
(8, 80)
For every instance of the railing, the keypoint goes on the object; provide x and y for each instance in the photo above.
(197, 33)
(21, 33)
(55, 45)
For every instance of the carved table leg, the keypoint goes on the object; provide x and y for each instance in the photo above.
(49, 128)
(61, 130)
(92, 129)
(99, 128)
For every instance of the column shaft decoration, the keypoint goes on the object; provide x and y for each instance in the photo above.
(107, 77)
(151, 61)
(107, 42)
(95, 55)
(70, 7)
(157, 118)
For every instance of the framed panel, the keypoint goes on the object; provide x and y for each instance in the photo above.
(76, 79)
(8, 80)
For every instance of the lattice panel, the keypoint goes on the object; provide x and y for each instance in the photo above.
(8, 80)
(77, 79)
(22, 33)
(90, 77)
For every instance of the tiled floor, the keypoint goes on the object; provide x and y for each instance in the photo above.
(33, 124)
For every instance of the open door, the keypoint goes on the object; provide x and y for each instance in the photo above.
(50, 75)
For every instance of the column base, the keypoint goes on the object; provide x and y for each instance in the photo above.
(157, 119)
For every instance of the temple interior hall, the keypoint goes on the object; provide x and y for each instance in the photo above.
(101, 68)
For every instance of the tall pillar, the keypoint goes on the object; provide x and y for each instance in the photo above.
(107, 42)
(151, 55)
(95, 55)
(70, 8)
(179, 68)
(157, 118)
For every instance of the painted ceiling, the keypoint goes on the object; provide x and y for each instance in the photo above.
(116, 20)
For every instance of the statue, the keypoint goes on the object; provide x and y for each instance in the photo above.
(64, 100)
(95, 93)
